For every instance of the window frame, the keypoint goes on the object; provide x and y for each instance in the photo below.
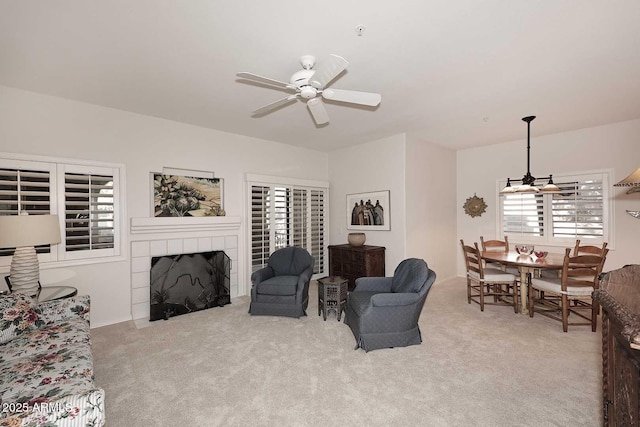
(294, 185)
(58, 256)
(548, 239)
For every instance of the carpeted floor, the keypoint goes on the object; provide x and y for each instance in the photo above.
(223, 367)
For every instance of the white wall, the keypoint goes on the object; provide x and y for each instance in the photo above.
(615, 146)
(374, 166)
(431, 206)
(41, 125)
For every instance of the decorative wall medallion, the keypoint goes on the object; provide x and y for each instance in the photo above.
(474, 206)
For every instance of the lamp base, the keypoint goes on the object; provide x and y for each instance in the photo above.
(25, 271)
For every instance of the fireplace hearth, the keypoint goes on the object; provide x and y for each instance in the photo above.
(184, 283)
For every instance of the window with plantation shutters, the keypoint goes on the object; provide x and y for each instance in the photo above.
(287, 215)
(89, 214)
(25, 187)
(579, 211)
(316, 219)
(260, 219)
(523, 214)
(84, 195)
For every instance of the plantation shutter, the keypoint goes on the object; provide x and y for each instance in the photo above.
(89, 197)
(25, 190)
(317, 230)
(281, 217)
(578, 210)
(260, 218)
(89, 212)
(299, 231)
(523, 214)
(286, 215)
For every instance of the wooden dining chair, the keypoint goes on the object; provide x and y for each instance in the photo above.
(570, 294)
(487, 285)
(589, 249)
(499, 246)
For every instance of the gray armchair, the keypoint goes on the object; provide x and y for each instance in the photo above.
(282, 287)
(383, 311)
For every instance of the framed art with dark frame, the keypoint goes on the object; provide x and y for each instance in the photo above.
(368, 211)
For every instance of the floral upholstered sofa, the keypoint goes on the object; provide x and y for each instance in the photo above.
(46, 364)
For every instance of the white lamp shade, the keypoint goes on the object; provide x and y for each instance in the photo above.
(632, 180)
(550, 188)
(28, 230)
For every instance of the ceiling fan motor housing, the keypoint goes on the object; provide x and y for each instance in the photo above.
(308, 92)
(301, 78)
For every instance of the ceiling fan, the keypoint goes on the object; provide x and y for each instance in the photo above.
(312, 81)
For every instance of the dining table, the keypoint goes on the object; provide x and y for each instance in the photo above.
(526, 265)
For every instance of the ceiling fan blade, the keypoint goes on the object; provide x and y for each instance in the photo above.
(270, 107)
(265, 80)
(318, 111)
(352, 96)
(328, 70)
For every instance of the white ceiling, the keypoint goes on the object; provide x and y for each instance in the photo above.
(458, 73)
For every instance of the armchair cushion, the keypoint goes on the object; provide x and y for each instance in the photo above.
(279, 285)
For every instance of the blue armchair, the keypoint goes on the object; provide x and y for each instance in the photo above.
(282, 287)
(383, 312)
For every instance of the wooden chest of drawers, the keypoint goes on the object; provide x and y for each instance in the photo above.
(352, 262)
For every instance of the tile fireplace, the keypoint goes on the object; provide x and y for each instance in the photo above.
(164, 236)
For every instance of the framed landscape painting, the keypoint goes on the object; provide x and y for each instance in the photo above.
(175, 195)
(368, 211)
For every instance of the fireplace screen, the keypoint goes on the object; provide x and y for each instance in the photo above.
(185, 283)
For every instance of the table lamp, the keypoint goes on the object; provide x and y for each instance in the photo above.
(23, 232)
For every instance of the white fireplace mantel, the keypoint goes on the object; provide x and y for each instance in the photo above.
(159, 236)
(183, 224)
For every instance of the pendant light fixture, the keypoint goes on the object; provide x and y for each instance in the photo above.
(528, 180)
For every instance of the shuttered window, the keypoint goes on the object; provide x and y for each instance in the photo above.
(25, 190)
(86, 198)
(579, 211)
(89, 212)
(523, 214)
(260, 205)
(286, 215)
(316, 218)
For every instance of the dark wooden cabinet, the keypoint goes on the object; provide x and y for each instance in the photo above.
(619, 296)
(352, 262)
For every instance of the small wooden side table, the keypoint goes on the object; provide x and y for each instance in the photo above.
(332, 295)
